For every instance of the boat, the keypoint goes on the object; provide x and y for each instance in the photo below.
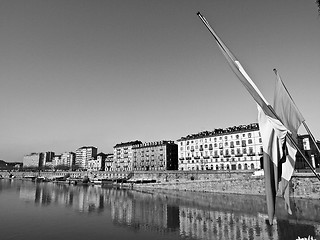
(101, 181)
(258, 173)
(30, 177)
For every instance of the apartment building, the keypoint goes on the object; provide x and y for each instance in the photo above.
(84, 154)
(122, 154)
(155, 156)
(99, 163)
(233, 148)
(109, 162)
(33, 160)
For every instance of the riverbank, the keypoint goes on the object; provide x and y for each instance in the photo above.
(303, 185)
(300, 187)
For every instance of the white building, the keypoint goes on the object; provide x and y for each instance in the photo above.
(33, 160)
(122, 154)
(98, 164)
(68, 159)
(84, 154)
(234, 148)
(109, 162)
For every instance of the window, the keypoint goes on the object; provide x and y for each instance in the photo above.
(237, 136)
(244, 150)
(231, 144)
(250, 150)
(243, 143)
(250, 141)
(249, 135)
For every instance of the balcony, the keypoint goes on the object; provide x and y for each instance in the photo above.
(215, 156)
(206, 157)
(196, 157)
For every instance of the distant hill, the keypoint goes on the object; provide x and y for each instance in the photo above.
(2, 163)
(8, 165)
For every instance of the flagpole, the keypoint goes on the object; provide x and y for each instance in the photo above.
(205, 22)
(303, 122)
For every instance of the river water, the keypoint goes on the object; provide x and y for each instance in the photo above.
(46, 211)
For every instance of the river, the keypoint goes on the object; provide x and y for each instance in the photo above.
(48, 211)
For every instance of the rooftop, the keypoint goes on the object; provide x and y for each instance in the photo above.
(220, 131)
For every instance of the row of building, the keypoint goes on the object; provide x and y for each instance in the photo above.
(233, 148)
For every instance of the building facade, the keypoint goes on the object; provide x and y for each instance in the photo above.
(109, 162)
(155, 156)
(122, 154)
(33, 160)
(48, 159)
(84, 154)
(97, 164)
(68, 159)
(309, 149)
(233, 148)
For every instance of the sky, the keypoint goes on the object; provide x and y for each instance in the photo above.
(75, 73)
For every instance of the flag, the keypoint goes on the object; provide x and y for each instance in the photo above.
(291, 117)
(274, 132)
(273, 135)
(286, 109)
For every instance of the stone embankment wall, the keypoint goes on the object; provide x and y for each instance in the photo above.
(303, 185)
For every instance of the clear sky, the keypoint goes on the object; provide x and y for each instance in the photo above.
(99, 72)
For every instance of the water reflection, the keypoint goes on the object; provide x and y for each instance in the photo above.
(193, 216)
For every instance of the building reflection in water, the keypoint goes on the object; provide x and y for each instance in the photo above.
(191, 215)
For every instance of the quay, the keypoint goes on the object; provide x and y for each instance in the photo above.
(303, 185)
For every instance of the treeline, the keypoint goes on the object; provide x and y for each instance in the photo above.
(9, 165)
